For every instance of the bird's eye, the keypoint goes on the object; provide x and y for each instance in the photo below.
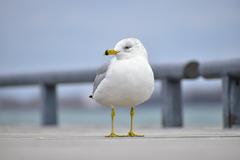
(127, 47)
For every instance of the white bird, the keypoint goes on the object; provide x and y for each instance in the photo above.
(126, 81)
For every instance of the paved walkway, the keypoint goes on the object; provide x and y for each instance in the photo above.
(80, 143)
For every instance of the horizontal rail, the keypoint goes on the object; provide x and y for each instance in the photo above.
(176, 71)
(186, 70)
(218, 69)
(48, 78)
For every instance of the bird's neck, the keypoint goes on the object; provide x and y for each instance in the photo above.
(125, 57)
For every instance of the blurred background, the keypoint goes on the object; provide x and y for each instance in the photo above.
(43, 35)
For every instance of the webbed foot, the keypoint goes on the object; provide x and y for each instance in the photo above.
(112, 135)
(132, 134)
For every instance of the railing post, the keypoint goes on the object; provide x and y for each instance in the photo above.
(231, 102)
(172, 106)
(49, 104)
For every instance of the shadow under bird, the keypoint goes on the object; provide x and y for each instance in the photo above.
(126, 81)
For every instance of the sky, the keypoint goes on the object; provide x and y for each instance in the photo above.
(43, 35)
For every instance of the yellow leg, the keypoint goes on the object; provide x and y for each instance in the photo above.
(112, 134)
(131, 133)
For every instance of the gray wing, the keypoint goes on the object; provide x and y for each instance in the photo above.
(101, 74)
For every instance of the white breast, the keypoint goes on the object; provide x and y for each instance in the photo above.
(127, 83)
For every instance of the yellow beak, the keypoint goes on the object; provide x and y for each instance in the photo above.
(110, 52)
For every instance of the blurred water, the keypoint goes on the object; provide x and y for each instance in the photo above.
(146, 116)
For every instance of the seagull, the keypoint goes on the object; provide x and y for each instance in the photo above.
(127, 80)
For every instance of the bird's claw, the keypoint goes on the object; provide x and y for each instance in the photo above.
(132, 134)
(112, 135)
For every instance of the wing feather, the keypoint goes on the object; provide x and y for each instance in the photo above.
(101, 74)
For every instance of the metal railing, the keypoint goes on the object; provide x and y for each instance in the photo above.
(229, 72)
(170, 76)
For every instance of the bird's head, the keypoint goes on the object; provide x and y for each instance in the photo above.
(127, 48)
